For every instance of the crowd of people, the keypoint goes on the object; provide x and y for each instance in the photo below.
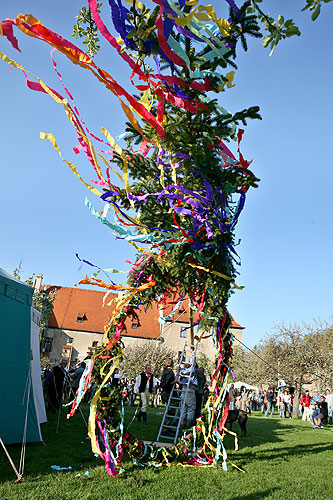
(150, 388)
(61, 384)
(317, 408)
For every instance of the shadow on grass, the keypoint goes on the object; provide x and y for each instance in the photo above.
(255, 496)
(70, 446)
(289, 451)
(259, 431)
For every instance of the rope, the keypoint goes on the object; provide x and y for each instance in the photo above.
(256, 354)
(276, 369)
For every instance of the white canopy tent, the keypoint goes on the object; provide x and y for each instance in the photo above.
(238, 385)
(35, 367)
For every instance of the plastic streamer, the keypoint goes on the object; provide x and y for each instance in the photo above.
(179, 198)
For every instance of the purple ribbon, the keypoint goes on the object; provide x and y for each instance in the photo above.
(93, 265)
(236, 10)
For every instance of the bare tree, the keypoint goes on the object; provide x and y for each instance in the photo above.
(247, 366)
(151, 352)
(299, 354)
(296, 353)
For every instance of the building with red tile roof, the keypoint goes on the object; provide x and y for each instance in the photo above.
(84, 310)
(76, 325)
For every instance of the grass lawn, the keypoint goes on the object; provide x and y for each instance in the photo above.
(283, 459)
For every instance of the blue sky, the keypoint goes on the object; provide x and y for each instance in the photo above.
(285, 229)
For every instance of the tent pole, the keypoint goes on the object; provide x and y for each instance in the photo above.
(61, 401)
(24, 440)
(19, 476)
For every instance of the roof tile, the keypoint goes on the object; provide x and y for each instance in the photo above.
(86, 304)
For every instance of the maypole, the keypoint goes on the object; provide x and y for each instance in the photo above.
(175, 190)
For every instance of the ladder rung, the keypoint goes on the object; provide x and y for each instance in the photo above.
(175, 402)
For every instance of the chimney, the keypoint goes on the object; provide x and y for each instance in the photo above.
(38, 282)
(260, 344)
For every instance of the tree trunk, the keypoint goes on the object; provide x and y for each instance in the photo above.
(191, 328)
(297, 397)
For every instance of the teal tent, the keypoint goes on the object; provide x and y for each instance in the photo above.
(22, 406)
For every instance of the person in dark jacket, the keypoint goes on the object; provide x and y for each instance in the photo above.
(168, 380)
(323, 413)
(270, 402)
(76, 376)
(55, 389)
(201, 377)
(144, 386)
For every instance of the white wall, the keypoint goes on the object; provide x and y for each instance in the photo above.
(83, 340)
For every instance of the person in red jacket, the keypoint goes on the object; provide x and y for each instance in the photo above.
(305, 402)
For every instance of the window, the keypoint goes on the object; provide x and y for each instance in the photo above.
(47, 344)
(81, 317)
(95, 343)
(135, 325)
(183, 332)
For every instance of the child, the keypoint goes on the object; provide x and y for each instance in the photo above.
(238, 403)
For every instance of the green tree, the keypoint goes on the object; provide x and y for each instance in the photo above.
(274, 30)
(42, 301)
(190, 135)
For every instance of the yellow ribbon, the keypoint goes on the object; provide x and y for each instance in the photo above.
(70, 116)
(82, 60)
(51, 138)
(217, 273)
(93, 407)
(139, 5)
(203, 13)
(232, 434)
